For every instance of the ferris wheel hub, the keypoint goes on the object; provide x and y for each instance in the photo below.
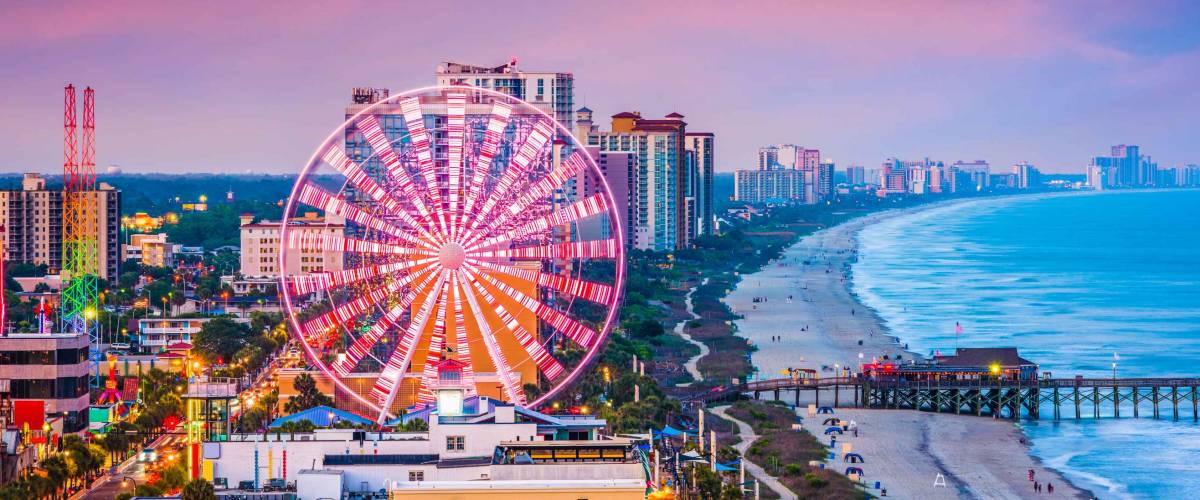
(451, 256)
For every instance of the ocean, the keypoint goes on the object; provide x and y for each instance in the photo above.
(1077, 282)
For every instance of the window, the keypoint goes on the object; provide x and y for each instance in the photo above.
(416, 475)
(455, 443)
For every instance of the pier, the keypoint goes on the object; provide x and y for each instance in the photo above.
(993, 382)
(1064, 398)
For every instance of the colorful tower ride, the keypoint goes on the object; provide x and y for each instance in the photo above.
(81, 267)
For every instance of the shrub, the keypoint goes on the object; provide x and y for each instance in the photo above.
(793, 469)
(815, 481)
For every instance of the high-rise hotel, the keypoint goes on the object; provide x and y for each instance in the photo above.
(661, 180)
(33, 225)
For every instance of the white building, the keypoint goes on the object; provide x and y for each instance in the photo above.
(150, 250)
(701, 145)
(260, 246)
(502, 446)
(156, 333)
(556, 89)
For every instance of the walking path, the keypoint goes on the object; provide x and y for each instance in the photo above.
(746, 433)
(680, 329)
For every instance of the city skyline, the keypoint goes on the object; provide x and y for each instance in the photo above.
(957, 81)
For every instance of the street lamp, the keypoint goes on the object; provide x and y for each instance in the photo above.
(1116, 358)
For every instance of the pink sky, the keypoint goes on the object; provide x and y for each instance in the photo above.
(232, 87)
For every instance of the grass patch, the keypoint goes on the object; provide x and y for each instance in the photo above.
(785, 453)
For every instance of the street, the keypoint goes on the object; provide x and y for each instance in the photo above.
(132, 471)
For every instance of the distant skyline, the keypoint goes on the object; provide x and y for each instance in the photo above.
(255, 86)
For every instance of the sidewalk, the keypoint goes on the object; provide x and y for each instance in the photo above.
(746, 433)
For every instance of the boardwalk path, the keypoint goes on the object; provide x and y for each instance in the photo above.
(746, 433)
(681, 330)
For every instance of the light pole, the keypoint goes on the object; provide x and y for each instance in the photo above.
(1116, 357)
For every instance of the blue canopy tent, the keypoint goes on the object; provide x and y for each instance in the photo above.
(855, 470)
(726, 468)
(854, 458)
(831, 430)
(825, 409)
(321, 416)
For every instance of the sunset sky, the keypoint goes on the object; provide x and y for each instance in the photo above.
(254, 86)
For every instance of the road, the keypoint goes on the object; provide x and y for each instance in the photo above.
(111, 485)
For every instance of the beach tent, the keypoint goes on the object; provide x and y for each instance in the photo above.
(854, 470)
(854, 458)
(831, 430)
(691, 456)
(726, 468)
(832, 421)
(825, 409)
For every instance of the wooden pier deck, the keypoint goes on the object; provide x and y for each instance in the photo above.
(998, 397)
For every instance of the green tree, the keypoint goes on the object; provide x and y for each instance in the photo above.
(221, 338)
(198, 489)
(307, 395)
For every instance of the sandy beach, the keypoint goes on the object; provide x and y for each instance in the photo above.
(800, 313)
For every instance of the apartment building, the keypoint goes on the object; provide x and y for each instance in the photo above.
(260, 246)
(33, 225)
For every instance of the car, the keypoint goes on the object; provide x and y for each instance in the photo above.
(148, 455)
(120, 345)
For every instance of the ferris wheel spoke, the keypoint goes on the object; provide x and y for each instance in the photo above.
(456, 121)
(592, 249)
(398, 362)
(541, 189)
(460, 335)
(518, 167)
(363, 344)
(319, 198)
(545, 362)
(598, 293)
(492, 136)
(318, 242)
(588, 207)
(410, 108)
(369, 126)
(307, 283)
(358, 178)
(341, 314)
(434, 353)
(579, 333)
(504, 372)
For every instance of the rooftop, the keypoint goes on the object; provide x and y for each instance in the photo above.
(984, 356)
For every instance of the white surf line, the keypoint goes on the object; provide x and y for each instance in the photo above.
(680, 330)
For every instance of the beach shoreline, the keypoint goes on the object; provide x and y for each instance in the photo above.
(800, 311)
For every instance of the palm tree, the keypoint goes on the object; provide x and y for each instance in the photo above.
(57, 470)
(198, 489)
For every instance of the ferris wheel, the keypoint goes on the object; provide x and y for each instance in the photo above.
(458, 223)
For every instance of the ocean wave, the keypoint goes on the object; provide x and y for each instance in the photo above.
(1039, 273)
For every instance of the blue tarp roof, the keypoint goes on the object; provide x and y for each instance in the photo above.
(321, 416)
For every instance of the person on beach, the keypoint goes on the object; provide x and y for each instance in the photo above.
(1049, 488)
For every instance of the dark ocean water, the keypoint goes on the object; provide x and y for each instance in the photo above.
(1071, 280)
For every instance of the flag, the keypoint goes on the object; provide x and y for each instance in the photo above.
(957, 328)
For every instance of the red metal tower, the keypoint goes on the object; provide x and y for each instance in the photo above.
(80, 265)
